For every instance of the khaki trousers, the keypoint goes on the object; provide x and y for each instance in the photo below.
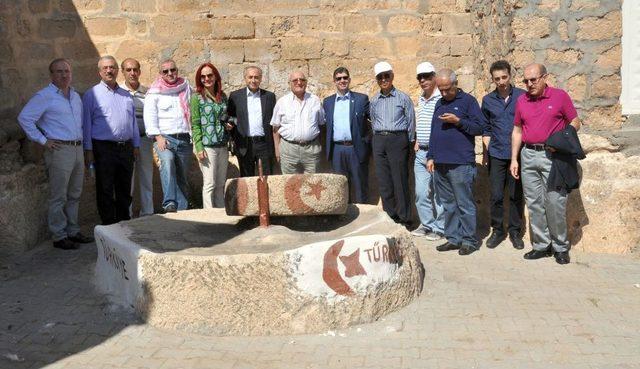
(214, 175)
(294, 156)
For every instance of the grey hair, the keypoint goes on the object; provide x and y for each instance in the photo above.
(246, 69)
(165, 62)
(107, 57)
(448, 74)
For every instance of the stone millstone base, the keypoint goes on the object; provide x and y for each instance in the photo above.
(202, 271)
(289, 194)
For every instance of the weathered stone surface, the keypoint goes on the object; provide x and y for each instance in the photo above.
(335, 47)
(461, 45)
(358, 23)
(530, 27)
(431, 24)
(270, 26)
(457, 24)
(300, 48)
(605, 117)
(610, 59)
(106, 26)
(226, 28)
(312, 24)
(403, 24)
(261, 50)
(80, 5)
(292, 194)
(607, 86)
(138, 6)
(226, 52)
(600, 28)
(563, 30)
(551, 5)
(39, 6)
(577, 87)
(202, 271)
(569, 56)
(584, 4)
(368, 47)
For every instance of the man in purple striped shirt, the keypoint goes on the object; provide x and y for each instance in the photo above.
(111, 141)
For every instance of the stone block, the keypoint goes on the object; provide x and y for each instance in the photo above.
(81, 51)
(335, 47)
(439, 45)
(138, 6)
(370, 47)
(261, 50)
(189, 55)
(577, 5)
(276, 26)
(106, 26)
(443, 6)
(431, 24)
(143, 51)
(404, 24)
(34, 51)
(172, 6)
(577, 87)
(39, 6)
(313, 24)
(530, 28)
(201, 29)
(549, 5)
(569, 56)
(563, 30)
(230, 28)
(164, 27)
(300, 48)
(6, 53)
(56, 28)
(467, 83)
(80, 6)
(225, 51)
(461, 45)
(457, 24)
(520, 58)
(600, 28)
(604, 118)
(358, 24)
(607, 87)
(406, 46)
(610, 59)
(292, 194)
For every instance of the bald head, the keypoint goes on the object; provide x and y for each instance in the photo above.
(298, 83)
(535, 77)
(536, 68)
(447, 83)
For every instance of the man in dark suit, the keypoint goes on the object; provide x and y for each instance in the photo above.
(253, 137)
(348, 134)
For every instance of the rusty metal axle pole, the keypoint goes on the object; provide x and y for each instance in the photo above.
(263, 197)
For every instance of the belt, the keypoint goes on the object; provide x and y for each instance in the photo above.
(343, 143)
(114, 143)
(179, 135)
(301, 143)
(423, 147)
(537, 147)
(70, 143)
(257, 138)
(386, 133)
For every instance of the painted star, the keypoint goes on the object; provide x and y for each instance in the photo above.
(316, 189)
(352, 264)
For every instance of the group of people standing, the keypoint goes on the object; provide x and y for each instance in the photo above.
(113, 130)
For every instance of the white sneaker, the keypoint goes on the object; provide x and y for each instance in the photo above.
(433, 236)
(420, 231)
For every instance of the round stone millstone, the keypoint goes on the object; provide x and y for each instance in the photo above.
(205, 272)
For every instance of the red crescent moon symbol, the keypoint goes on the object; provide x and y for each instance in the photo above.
(330, 273)
(292, 192)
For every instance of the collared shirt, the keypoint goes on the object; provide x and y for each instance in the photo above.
(138, 102)
(50, 115)
(499, 118)
(163, 114)
(298, 120)
(543, 116)
(341, 118)
(426, 107)
(393, 112)
(254, 111)
(109, 115)
(451, 144)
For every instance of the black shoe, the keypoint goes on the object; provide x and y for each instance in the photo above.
(516, 241)
(447, 246)
(466, 250)
(65, 244)
(171, 208)
(80, 238)
(562, 257)
(536, 254)
(495, 239)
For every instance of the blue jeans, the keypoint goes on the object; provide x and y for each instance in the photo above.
(454, 185)
(174, 166)
(430, 210)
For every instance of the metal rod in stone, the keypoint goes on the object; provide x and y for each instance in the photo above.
(263, 197)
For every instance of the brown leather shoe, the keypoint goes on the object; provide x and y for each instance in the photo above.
(65, 244)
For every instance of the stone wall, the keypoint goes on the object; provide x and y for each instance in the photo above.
(313, 35)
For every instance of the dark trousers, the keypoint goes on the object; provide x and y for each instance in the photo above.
(345, 161)
(391, 156)
(255, 150)
(114, 169)
(501, 178)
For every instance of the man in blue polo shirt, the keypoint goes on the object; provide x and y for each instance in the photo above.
(457, 119)
(499, 108)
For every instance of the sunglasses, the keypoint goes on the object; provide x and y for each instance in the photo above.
(210, 76)
(383, 76)
(342, 78)
(422, 76)
(172, 70)
(533, 81)
(298, 80)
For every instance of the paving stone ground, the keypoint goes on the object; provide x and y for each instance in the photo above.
(491, 309)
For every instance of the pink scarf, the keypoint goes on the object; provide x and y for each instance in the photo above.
(180, 87)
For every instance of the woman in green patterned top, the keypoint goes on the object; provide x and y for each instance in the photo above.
(210, 135)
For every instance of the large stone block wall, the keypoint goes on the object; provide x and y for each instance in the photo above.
(579, 40)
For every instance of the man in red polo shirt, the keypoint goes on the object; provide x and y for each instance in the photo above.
(541, 112)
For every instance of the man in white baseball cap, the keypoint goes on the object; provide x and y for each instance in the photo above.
(393, 123)
(430, 210)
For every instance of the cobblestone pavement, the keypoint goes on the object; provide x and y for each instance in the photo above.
(491, 309)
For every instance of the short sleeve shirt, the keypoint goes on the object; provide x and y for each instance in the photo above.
(543, 116)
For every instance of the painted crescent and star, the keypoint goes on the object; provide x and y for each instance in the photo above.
(330, 273)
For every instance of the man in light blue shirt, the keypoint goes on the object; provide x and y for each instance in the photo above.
(348, 137)
(53, 118)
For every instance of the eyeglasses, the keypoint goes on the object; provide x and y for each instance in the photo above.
(383, 76)
(210, 76)
(172, 70)
(298, 80)
(533, 81)
(342, 78)
(422, 76)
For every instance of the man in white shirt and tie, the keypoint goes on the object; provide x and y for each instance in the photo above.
(53, 118)
(296, 122)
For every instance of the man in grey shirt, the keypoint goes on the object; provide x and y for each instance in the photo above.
(393, 122)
